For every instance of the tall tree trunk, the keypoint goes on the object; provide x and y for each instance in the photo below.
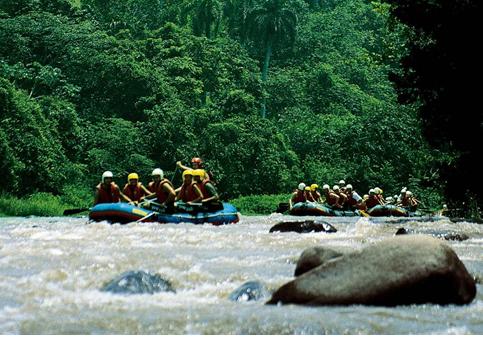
(266, 64)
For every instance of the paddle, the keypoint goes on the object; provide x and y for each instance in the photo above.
(75, 211)
(364, 213)
(146, 217)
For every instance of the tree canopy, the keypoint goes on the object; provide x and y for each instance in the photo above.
(94, 85)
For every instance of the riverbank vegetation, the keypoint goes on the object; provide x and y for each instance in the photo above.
(96, 85)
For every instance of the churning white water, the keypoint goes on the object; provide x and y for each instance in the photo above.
(51, 270)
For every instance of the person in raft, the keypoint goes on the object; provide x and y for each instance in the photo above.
(197, 164)
(315, 193)
(135, 190)
(354, 200)
(331, 198)
(162, 191)
(211, 199)
(107, 191)
(373, 199)
(298, 196)
(189, 193)
(308, 194)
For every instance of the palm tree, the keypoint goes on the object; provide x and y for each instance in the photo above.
(271, 24)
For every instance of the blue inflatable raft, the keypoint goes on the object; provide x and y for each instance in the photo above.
(125, 213)
(315, 208)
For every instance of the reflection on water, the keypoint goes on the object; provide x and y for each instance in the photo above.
(51, 270)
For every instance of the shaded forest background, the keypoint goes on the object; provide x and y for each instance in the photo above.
(269, 93)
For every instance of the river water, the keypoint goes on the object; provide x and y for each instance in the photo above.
(51, 270)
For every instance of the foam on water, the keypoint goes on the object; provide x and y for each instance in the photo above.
(52, 269)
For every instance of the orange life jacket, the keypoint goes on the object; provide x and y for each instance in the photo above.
(187, 192)
(350, 200)
(161, 194)
(109, 195)
(133, 192)
(153, 186)
(308, 196)
(330, 199)
(299, 197)
(372, 201)
(315, 195)
(202, 187)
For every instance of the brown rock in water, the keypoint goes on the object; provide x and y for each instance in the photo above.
(314, 257)
(408, 269)
(441, 234)
(306, 226)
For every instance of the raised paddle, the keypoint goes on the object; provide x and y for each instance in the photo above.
(75, 211)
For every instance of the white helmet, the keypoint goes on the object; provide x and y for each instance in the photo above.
(371, 191)
(342, 182)
(107, 174)
(326, 187)
(409, 193)
(302, 186)
(404, 190)
(348, 186)
(336, 188)
(158, 172)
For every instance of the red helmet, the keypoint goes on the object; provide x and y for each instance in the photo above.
(196, 160)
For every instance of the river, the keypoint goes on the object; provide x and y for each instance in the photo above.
(51, 270)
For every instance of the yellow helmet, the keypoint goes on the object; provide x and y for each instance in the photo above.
(199, 172)
(313, 187)
(187, 172)
(307, 188)
(132, 176)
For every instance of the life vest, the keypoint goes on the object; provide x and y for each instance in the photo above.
(204, 191)
(330, 198)
(407, 202)
(161, 194)
(342, 198)
(315, 195)
(308, 196)
(108, 196)
(133, 192)
(153, 186)
(299, 197)
(372, 201)
(187, 193)
(350, 200)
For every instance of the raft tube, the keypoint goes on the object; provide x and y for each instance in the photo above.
(125, 213)
(388, 210)
(314, 208)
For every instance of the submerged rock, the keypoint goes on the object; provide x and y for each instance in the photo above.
(446, 235)
(402, 270)
(314, 257)
(306, 226)
(138, 282)
(249, 291)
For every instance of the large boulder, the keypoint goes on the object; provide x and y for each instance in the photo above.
(441, 234)
(408, 269)
(249, 291)
(137, 282)
(314, 257)
(306, 226)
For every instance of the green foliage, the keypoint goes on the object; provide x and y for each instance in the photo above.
(131, 85)
(259, 204)
(41, 204)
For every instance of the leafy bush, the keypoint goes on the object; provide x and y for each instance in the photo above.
(259, 204)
